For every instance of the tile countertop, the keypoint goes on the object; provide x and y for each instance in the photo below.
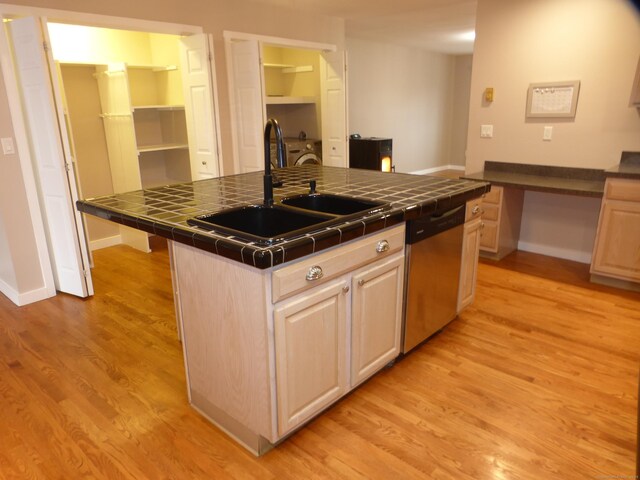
(164, 210)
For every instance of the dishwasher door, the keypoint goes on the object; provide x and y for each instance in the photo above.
(433, 277)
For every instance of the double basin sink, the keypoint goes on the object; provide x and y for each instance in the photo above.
(291, 217)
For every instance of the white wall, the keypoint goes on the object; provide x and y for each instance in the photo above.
(460, 115)
(518, 43)
(405, 94)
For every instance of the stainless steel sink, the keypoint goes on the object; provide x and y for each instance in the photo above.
(262, 224)
(334, 204)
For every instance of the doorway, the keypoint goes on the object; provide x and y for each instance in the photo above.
(173, 129)
(302, 83)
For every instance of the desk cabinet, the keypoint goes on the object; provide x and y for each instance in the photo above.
(617, 247)
(501, 215)
(473, 228)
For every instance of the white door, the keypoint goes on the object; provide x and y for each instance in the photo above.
(248, 110)
(334, 109)
(196, 59)
(54, 173)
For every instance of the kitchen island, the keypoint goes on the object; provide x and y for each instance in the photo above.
(268, 346)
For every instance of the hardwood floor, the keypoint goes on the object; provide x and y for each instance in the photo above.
(537, 379)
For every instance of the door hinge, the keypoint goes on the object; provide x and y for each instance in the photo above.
(67, 166)
(85, 273)
(45, 46)
(210, 57)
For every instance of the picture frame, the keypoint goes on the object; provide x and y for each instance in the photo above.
(552, 99)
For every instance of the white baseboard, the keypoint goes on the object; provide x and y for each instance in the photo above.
(25, 298)
(558, 252)
(105, 242)
(427, 171)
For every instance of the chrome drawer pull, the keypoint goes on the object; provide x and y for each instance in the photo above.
(475, 209)
(314, 273)
(382, 246)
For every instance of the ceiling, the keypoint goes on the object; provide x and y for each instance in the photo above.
(436, 25)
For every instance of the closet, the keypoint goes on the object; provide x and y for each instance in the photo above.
(138, 112)
(292, 89)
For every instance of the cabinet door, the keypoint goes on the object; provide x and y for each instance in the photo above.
(617, 249)
(469, 263)
(376, 317)
(310, 347)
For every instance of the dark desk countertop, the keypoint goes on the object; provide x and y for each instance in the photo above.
(629, 167)
(564, 180)
(164, 210)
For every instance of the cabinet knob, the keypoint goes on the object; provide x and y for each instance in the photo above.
(382, 246)
(204, 162)
(361, 282)
(314, 273)
(475, 209)
(345, 289)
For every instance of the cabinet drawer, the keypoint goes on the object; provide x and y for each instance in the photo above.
(474, 209)
(622, 189)
(489, 236)
(494, 196)
(292, 279)
(490, 212)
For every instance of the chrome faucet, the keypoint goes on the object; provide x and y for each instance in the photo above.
(272, 123)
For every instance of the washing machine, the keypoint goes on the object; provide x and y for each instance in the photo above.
(299, 152)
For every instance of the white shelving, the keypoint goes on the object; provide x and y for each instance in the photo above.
(287, 100)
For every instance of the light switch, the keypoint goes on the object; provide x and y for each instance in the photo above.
(7, 146)
(548, 133)
(486, 131)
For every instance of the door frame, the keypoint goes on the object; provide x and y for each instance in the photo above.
(18, 118)
(231, 36)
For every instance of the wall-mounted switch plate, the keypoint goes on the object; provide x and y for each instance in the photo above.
(547, 134)
(7, 146)
(486, 131)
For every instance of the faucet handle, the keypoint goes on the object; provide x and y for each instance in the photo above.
(312, 186)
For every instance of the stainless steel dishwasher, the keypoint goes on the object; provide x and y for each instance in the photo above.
(433, 255)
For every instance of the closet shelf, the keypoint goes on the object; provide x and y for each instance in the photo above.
(162, 147)
(158, 107)
(284, 100)
(290, 68)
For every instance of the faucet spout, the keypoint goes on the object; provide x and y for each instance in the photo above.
(272, 124)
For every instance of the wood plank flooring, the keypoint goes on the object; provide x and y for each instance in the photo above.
(537, 380)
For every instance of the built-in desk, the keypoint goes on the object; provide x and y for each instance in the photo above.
(502, 207)
(542, 178)
(616, 258)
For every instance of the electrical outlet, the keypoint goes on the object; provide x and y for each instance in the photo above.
(7, 146)
(547, 133)
(486, 131)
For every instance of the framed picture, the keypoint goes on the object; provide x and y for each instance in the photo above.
(552, 100)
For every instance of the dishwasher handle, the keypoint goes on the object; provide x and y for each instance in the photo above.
(433, 224)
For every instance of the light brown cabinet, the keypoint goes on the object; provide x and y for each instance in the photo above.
(376, 317)
(266, 350)
(312, 332)
(310, 351)
(469, 262)
(617, 247)
(502, 216)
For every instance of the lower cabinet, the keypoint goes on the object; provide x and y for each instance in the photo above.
(616, 252)
(266, 350)
(312, 333)
(469, 262)
(474, 231)
(310, 347)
